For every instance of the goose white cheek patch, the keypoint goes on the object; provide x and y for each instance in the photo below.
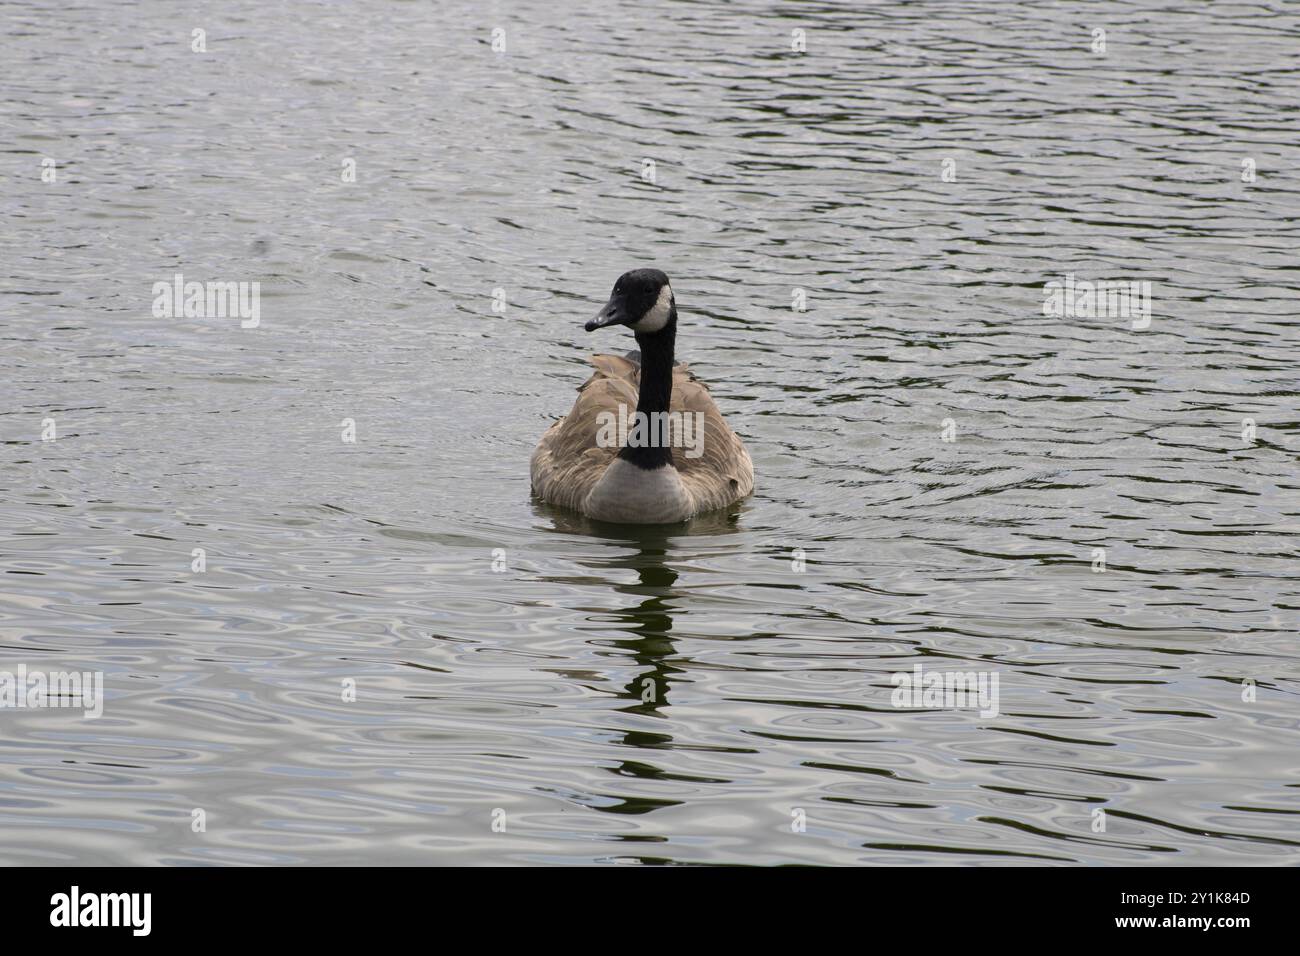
(657, 317)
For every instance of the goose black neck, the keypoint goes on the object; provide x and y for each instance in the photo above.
(656, 391)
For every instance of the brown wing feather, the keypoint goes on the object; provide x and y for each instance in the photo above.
(567, 462)
(724, 472)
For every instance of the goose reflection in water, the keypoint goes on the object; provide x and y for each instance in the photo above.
(648, 622)
(646, 551)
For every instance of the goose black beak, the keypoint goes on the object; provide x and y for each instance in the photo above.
(611, 314)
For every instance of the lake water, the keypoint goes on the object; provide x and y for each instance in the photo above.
(532, 689)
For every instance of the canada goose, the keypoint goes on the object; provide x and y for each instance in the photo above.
(644, 443)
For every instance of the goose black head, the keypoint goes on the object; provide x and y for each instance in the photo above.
(642, 300)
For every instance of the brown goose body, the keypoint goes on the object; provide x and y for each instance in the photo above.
(569, 465)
